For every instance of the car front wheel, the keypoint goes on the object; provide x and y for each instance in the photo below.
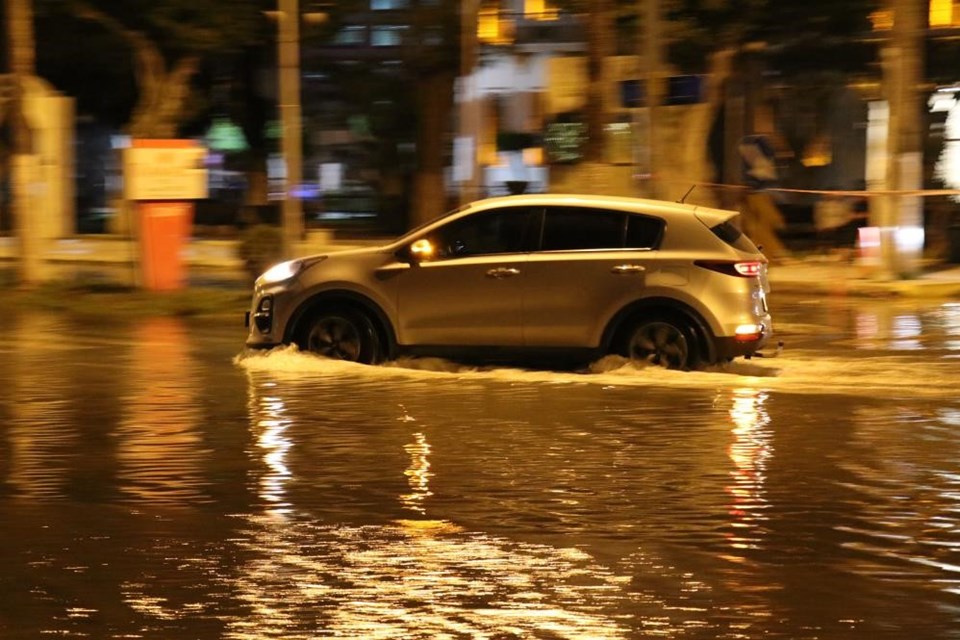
(341, 334)
(663, 342)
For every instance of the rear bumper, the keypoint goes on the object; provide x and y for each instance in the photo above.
(731, 347)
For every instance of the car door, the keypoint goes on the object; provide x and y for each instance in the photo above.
(590, 263)
(468, 290)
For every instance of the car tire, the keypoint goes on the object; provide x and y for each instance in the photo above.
(662, 341)
(340, 334)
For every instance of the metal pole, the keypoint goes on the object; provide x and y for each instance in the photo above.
(288, 53)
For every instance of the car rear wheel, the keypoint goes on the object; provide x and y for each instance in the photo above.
(663, 342)
(341, 334)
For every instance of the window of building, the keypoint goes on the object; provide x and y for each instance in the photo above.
(538, 10)
(351, 35)
(387, 5)
(944, 13)
(386, 35)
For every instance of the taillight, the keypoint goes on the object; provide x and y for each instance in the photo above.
(746, 269)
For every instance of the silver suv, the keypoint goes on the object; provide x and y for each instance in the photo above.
(531, 276)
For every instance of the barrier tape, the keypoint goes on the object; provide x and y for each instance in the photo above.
(923, 193)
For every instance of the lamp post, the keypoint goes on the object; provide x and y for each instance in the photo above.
(288, 58)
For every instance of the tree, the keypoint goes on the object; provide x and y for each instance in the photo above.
(161, 44)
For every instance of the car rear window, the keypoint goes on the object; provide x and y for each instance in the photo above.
(585, 228)
(578, 228)
(643, 232)
(731, 234)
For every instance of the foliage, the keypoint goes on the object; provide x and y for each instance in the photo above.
(110, 302)
(261, 246)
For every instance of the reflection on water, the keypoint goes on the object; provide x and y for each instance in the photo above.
(918, 532)
(750, 452)
(269, 423)
(418, 474)
(151, 486)
(160, 453)
(41, 434)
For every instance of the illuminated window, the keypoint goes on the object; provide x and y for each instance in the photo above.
(386, 36)
(351, 35)
(881, 20)
(538, 10)
(491, 28)
(386, 5)
(941, 13)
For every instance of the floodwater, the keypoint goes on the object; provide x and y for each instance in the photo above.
(156, 482)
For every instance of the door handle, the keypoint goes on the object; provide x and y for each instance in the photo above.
(502, 272)
(628, 269)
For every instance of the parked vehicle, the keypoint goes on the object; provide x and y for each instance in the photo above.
(527, 276)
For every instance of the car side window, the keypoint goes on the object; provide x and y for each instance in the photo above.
(488, 233)
(644, 232)
(578, 228)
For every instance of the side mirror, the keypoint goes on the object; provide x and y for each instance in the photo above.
(422, 250)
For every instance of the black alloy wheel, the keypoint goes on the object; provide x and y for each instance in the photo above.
(341, 334)
(663, 343)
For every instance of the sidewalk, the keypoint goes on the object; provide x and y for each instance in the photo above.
(821, 274)
(215, 262)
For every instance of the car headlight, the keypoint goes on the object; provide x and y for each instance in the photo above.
(281, 272)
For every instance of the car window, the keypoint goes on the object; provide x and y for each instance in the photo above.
(731, 234)
(643, 232)
(491, 232)
(576, 228)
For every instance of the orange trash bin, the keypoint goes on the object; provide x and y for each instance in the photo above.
(164, 230)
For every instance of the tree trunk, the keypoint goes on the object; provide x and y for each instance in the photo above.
(163, 97)
(599, 26)
(23, 161)
(435, 97)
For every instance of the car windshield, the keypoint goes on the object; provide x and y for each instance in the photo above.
(729, 232)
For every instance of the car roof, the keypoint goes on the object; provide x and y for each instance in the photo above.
(666, 209)
(708, 215)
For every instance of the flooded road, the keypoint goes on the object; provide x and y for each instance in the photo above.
(155, 482)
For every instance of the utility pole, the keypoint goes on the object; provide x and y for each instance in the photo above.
(902, 215)
(288, 56)
(19, 16)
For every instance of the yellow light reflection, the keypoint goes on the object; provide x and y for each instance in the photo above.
(353, 572)
(750, 451)
(270, 425)
(418, 474)
(160, 453)
(40, 438)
